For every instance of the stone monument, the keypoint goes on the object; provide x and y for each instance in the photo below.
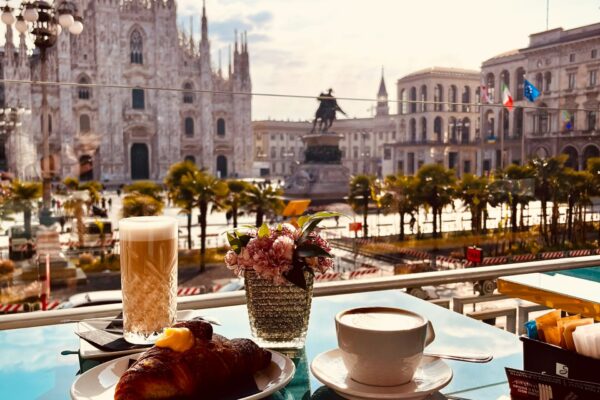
(321, 177)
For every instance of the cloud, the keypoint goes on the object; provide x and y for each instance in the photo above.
(261, 18)
(258, 38)
(224, 30)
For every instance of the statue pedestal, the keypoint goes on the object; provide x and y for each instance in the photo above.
(321, 177)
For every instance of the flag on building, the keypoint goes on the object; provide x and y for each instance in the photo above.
(485, 97)
(568, 120)
(507, 99)
(530, 92)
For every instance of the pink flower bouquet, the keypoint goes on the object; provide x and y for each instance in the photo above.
(281, 254)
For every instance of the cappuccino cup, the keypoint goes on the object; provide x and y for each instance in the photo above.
(382, 346)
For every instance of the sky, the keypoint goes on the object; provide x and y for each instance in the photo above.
(303, 47)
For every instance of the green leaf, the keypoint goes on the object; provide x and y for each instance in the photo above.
(312, 250)
(263, 231)
(296, 276)
(302, 220)
(244, 239)
(279, 228)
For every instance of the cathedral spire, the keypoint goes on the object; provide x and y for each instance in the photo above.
(9, 45)
(236, 43)
(22, 49)
(382, 98)
(220, 65)
(229, 63)
(192, 34)
(204, 23)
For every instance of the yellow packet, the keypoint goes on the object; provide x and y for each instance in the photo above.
(551, 334)
(561, 327)
(570, 326)
(546, 321)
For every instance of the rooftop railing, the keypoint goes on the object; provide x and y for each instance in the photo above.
(215, 300)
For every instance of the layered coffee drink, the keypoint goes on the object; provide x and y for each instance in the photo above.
(148, 276)
(381, 319)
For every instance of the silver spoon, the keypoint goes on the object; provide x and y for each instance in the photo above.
(474, 357)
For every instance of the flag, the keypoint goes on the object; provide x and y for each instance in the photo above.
(530, 92)
(507, 99)
(485, 97)
(567, 120)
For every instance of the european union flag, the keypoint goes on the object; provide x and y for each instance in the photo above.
(530, 92)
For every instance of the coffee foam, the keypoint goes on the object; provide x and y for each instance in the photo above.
(381, 320)
(147, 229)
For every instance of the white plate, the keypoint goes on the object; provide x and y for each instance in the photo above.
(432, 374)
(89, 351)
(99, 382)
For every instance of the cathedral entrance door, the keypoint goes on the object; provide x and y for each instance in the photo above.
(86, 168)
(140, 162)
(221, 166)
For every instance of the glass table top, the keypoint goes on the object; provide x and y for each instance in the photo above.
(32, 364)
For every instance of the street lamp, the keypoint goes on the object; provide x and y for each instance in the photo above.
(44, 21)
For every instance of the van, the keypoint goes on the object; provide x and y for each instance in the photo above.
(20, 247)
(91, 235)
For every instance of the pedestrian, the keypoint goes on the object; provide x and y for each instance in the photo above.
(109, 203)
(58, 204)
(103, 203)
(62, 220)
(228, 216)
(118, 192)
(53, 202)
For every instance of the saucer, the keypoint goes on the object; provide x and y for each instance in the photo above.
(431, 375)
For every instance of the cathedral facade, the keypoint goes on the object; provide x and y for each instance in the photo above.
(135, 96)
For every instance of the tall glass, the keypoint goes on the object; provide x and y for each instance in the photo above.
(148, 276)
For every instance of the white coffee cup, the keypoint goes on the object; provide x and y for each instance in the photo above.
(382, 346)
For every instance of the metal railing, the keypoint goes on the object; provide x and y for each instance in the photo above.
(214, 300)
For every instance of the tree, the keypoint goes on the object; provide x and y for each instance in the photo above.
(93, 188)
(235, 200)
(182, 195)
(474, 193)
(593, 167)
(576, 188)
(74, 207)
(22, 198)
(139, 205)
(71, 183)
(263, 200)
(147, 188)
(436, 188)
(545, 172)
(206, 189)
(518, 190)
(360, 195)
(400, 197)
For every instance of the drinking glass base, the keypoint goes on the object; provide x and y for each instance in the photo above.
(140, 338)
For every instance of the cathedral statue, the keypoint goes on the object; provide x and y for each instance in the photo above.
(326, 113)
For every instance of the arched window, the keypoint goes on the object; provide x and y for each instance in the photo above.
(190, 159)
(477, 97)
(489, 125)
(404, 102)
(423, 99)
(412, 130)
(547, 81)
(520, 83)
(542, 119)
(84, 123)
(591, 120)
(136, 45)
(189, 126)
(518, 122)
(423, 129)
(539, 81)
(505, 78)
(413, 99)
(138, 101)
(188, 95)
(490, 82)
(452, 128)
(437, 129)
(465, 133)
(466, 99)
(83, 92)
(221, 127)
(452, 98)
(438, 97)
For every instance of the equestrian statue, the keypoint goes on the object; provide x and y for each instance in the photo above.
(326, 113)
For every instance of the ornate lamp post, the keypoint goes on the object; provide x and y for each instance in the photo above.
(45, 22)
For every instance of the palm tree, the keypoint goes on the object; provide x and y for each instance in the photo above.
(182, 195)
(474, 193)
(593, 166)
(206, 189)
(235, 200)
(518, 193)
(139, 205)
(74, 208)
(360, 195)
(400, 196)
(576, 187)
(436, 187)
(263, 200)
(71, 183)
(147, 188)
(545, 172)
(23, 196)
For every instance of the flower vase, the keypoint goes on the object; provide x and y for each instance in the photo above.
(278, 313)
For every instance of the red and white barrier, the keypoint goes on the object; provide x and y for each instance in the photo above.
(188, 291)
(361, 273)
(549, 255)
(579, 253)
(494, 260)
(523, 257)
(327, 276)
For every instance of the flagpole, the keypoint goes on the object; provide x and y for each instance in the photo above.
(481, 130)
(522, 137)
(502, 111)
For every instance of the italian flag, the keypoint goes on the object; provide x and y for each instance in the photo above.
(507, 99)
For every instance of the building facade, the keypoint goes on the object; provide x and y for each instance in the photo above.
(121, 128)
(564, 65)
(278, 146)
(436, 122)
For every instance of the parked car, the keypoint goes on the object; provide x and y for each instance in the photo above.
(96, 298)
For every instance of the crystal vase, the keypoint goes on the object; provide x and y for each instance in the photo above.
(278, 313)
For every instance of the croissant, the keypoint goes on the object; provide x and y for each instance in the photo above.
(206, 371)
